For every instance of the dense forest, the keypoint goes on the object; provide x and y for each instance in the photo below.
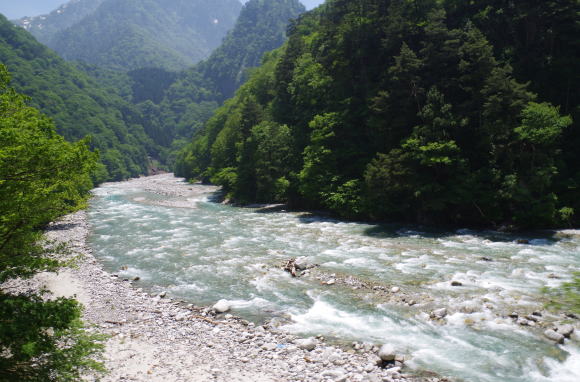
(77, 104)
(134, 34)
(42, 177)
(427, 111)
(191, 99)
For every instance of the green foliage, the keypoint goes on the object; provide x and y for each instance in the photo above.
(42, 177)
(421, 111)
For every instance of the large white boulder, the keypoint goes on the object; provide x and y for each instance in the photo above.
(387, 352)
(222, 306)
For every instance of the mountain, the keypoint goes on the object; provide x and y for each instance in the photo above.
(77, 104)
(260, 28)
(433, 112)
(46, 26)
(190, 100)
(135, 34)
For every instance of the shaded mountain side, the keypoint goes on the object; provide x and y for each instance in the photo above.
(45, 27)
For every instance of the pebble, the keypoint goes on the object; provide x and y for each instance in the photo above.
(395, 289)
(307, 343)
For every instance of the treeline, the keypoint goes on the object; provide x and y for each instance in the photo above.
(417, 110)
(42, 177)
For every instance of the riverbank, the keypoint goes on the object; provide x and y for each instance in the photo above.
(157, 339)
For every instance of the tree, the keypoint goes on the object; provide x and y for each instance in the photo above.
(42, 177)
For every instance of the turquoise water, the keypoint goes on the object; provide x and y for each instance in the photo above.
(214, 252)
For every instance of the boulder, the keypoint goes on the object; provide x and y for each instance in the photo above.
(456, 283)
(554, 336)
(222, 306)
(387, 352)
(302, 263)
(395, 289)
(439, 313)
(307, 343)
(565, 330)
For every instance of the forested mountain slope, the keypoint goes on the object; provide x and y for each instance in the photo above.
(78, 106)
(134, 34)
(260, 28)
(191, 98)
(427, 111)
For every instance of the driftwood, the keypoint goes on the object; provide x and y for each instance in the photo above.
(296, 269)
(291, 267)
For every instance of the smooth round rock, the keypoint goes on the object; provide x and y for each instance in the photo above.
(554, 336)
(222, 306)
(307, 343)
(387, 352)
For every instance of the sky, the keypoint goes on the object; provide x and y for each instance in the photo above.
(15, 9)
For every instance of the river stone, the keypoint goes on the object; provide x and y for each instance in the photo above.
(387, 352)
(301, 263)
(331, 282)
(554, 336)
(307, 343)
(336, 375)
(395, 289)
(456, 283)
(439, 313)
(565, 330)
(222, 306)
(269, 347)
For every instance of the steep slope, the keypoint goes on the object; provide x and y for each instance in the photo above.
(406, 110)
(77, 104)
(45, 27)
(189, 101)
(134, 34)
(260, 28)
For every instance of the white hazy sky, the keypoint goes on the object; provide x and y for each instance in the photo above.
(15, 9)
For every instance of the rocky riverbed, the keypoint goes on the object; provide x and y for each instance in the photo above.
(153, 338)
(438, 301)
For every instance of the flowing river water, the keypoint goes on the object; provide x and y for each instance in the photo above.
(202, 251)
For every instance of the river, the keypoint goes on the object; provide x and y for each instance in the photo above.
(202, 251)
